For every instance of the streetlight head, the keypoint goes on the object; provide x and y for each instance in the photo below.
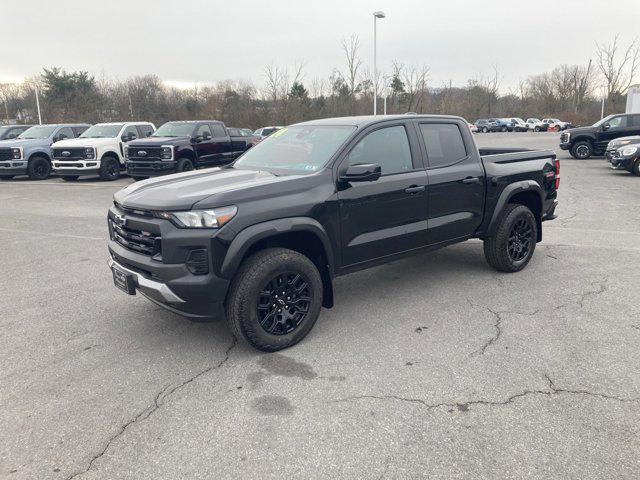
(379, 14)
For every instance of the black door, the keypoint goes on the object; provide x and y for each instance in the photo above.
(386, 216)
(456, 182)
(205, 145)
(619, 126)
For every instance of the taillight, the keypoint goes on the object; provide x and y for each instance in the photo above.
(557, 162)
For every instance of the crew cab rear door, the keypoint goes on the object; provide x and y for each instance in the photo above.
(456, 180)
(386, 216)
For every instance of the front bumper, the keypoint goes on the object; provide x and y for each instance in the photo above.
(13, 167)
(622, 163)
(77, 167)
(165, 278)
(150, 168)
(565, 146)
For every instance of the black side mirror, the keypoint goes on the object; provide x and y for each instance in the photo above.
(127, 137)
(197, 138)
(366, 172)
(606, 126)
(206, 136)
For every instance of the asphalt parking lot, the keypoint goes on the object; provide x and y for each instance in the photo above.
(430, 367)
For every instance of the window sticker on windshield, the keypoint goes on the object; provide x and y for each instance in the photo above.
(310, 167)
(277, 133)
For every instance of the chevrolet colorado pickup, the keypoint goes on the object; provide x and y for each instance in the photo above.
(181, 147)
(30, 152)
(265, 236)
(98, 151)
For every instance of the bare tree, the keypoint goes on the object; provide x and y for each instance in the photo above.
(618, 73)
(350, 47)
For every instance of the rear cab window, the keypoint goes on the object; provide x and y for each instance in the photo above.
(444, 144)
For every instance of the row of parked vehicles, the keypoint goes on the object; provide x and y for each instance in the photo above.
(516, 124)
(109, 149)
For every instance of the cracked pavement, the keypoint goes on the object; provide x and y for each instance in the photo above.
(430, 367)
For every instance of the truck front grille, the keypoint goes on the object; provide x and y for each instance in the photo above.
(136, 240)
(144, 153)
(5, 154)
(73, 153)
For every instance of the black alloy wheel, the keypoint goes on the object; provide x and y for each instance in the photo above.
(284, 303)
(520, 240)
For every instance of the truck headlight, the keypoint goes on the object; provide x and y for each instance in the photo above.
(166, 153)
(16, 153)
(89, 153)
(214, 218)
(628, 151)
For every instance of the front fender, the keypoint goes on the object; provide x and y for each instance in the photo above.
(250, 235)
(45, 152)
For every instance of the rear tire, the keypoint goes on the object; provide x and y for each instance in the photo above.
(485, 130)
(184, 165)
(70, 178)
(536, 129)
(512, 245)
(39, 168)
(109, 169)
(582, 150)
(256, 310)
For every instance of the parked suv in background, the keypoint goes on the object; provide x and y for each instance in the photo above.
(183, 146)
(98, 151)
(519, 125)
(486, 125)
(30, 153)
(242, 139)
(264, 132)
(586, 141)
(504, 124)
(555, 123)
(8, 132)
(536, 125)
(614, 145)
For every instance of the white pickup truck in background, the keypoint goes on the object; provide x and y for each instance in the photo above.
(98, 151)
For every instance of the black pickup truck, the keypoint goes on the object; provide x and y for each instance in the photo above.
(265, 236)
(583, 142)
(184, 146)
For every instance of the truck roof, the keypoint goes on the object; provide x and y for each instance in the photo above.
(195, 121)
(62, 125)
(365, 120)
(124, 123)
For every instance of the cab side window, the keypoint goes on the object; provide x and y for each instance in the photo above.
(387, 147)
(202, 130)
(618, 122)
(635, 121)
(77, 131)
(218, 130)
(444, 143)
(64, 133)
(144, 130)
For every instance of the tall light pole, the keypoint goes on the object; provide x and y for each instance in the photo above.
(38, 105)
(376, 16)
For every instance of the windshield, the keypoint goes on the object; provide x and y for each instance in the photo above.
(174, 130)
(37, 132)
(268, 131)
(301, 149)
(102, 131)
(603, 121)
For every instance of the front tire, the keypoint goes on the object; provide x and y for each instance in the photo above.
(184, 165)
(39, 168)
(536, 129)
(274, 299)
(512, 245)
(582, 150)
(109, 169)
(485, 130)
(636, 168)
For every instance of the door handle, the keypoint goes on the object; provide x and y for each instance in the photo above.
(470, 180)
(414, 189)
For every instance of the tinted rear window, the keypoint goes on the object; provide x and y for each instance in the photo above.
(444, 143)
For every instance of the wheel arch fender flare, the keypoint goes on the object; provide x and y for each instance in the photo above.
(510, 192)
(582, 137)
(39, 153)
(110, 153)
(248, 237)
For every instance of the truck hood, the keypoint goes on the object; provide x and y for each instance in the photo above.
(84, 142)
(159, 141)
(182, 191)
(25, 142)
(579, 130)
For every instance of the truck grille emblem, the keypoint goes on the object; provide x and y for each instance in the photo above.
(142, 153)
(66, 153)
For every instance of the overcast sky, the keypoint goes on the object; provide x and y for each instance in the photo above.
(204, 41)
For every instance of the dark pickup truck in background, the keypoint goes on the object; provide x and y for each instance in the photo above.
(583, 142)
(264, 237)
(184, 146)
